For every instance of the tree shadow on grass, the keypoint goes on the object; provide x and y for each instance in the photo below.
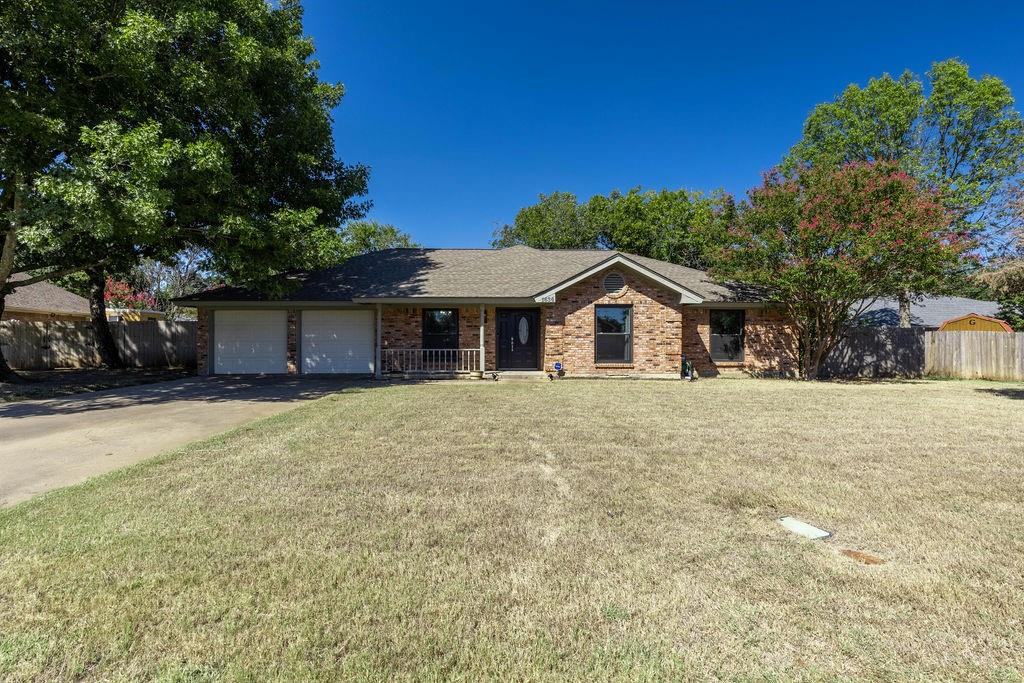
(1014, 394)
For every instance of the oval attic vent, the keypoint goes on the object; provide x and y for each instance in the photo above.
(613, 283)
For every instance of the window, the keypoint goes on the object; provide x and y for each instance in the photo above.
(613, 334)
(727, 335)
(440, 328)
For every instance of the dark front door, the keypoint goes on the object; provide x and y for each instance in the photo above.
(518, 338)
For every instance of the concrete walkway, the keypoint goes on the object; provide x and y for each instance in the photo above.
(53, 443)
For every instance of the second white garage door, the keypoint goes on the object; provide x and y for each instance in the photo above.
(337, 341)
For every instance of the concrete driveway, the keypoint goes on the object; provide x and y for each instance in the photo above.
(56, 442)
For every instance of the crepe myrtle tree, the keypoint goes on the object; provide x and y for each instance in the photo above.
(825, 242)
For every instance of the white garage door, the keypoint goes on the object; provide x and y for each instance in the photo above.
(337, 341)
(248, 342)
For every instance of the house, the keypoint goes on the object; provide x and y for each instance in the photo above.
(578, 312)
(928, 313)
(44, 301)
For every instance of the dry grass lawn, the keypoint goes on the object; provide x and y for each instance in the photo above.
(544, 531)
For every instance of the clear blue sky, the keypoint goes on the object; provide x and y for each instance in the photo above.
(466, 111)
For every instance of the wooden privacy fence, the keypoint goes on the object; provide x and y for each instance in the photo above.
(895, 352)
(878, 352)
(984, 355)
(31, 345)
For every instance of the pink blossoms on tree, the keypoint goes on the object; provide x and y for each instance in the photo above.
(121, 295)
(825, 242)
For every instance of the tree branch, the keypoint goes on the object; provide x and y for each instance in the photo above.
(58, 272)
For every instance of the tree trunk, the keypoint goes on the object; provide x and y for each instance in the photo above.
(106, 345)
(904, 300)
(6, 373)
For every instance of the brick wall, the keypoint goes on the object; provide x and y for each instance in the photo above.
(204, 319)
(770, 344)
(663, 331)
(292, 341)
(401, 327)
(697, 340)
(657, 327)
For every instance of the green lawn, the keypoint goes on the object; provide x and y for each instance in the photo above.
(585, 530)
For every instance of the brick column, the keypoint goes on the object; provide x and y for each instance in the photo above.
(293, 341)
(204, 323)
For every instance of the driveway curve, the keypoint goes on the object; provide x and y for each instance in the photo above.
(48, 444)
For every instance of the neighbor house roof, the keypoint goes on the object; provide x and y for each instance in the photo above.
(44, 297)
(512, 273)
(931, 311)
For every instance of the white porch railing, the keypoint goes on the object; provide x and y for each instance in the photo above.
(429, 361)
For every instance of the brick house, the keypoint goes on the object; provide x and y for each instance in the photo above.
(465, 311)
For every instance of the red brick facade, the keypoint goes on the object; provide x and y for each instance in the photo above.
(292, 342)
(663, 332)
(657, 328)
(204, 319)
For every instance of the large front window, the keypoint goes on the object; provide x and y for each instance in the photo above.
(613, 334)
(727, 335)
(440, 328)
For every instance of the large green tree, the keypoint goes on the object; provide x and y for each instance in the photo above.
(825, 242)
(556, 221)
(954, 133)
(671, 225)
(141, 128)
(1006, 276)
(957, 134)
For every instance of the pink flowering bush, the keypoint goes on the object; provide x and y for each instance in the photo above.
(121, 295)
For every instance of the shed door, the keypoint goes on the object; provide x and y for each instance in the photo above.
(250, 342)
(337, 342)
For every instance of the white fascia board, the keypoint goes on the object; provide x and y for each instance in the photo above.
(449, 300)
(277, 304)
(685, 295)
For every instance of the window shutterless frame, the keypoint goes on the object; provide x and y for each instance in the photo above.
(440, 328)
(613, 334)
(727, 334)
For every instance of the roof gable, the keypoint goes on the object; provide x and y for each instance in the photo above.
(687, 296)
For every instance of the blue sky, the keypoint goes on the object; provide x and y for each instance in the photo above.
(466, 111)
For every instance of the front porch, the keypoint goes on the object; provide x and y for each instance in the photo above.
(458, 340)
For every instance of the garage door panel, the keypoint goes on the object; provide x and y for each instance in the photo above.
(337, 342)
(250, 342)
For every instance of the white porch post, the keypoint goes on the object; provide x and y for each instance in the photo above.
(483, 312)
(377, 352)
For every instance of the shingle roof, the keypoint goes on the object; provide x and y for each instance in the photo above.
(931, 311)
(515, 272)
(44, 297)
